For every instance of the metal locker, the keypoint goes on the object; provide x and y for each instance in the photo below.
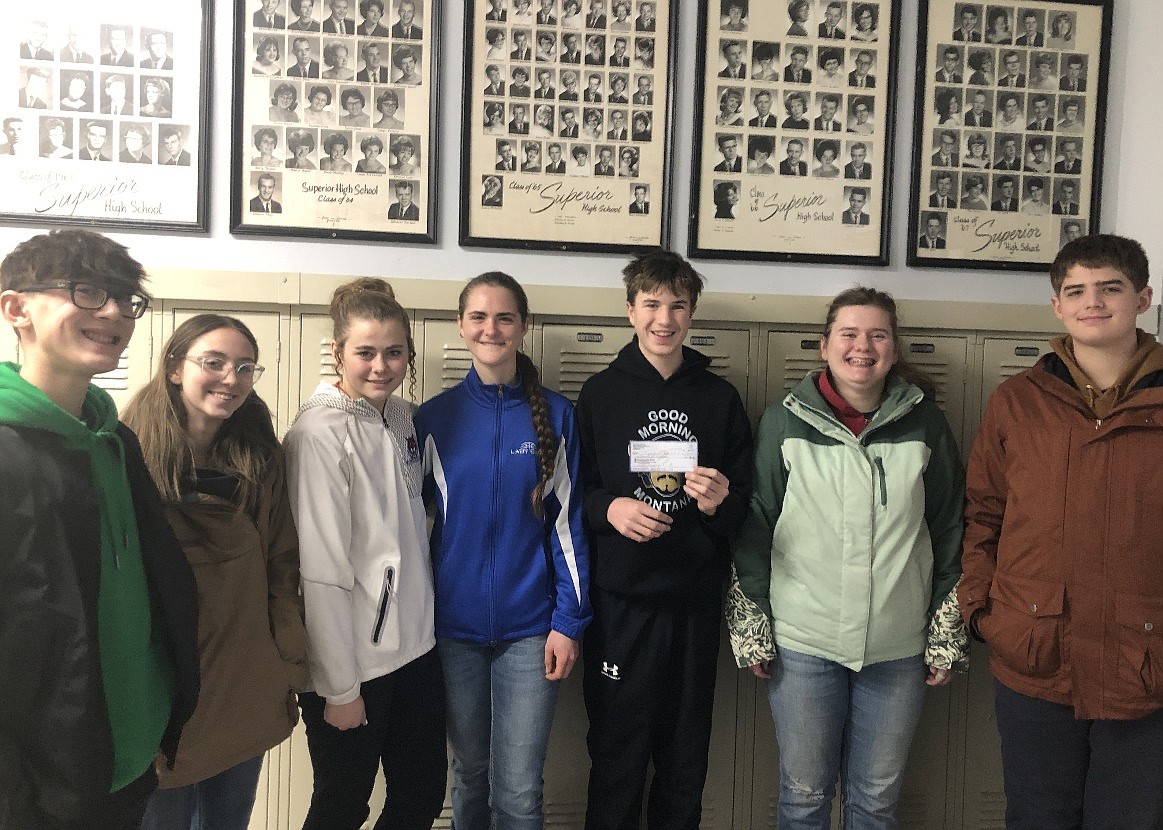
(790, 356)
(444, 359)
(312, 361)
(572, 353)
(1002, 358)
(267, 330)
(1005, 357)
(946, 360)
(982, 788)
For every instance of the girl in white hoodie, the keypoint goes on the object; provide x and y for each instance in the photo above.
(355, 477)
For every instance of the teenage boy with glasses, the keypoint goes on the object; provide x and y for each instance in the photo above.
(98, 651)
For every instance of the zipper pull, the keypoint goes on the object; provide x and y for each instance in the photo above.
(883, 482)
(1097, 423)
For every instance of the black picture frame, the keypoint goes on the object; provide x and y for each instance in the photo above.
(126, 89)
(1009, 129)
(536, 209)
(341, 78)
(830, 85)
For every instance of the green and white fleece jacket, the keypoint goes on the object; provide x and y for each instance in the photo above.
(851, 549)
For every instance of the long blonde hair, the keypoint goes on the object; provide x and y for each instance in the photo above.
(245, 445)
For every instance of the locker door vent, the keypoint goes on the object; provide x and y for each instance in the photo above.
(115, 380)
(941, 373)
(796, 368)
(577, 367)
(455, 362)
(327, 370)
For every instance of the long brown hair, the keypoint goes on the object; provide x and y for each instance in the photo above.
(369, 298)
(245, 445)
(863, 295)
(530, 379)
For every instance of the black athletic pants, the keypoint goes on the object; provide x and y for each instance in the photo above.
(649, 682)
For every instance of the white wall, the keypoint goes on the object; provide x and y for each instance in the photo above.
(1131, 204)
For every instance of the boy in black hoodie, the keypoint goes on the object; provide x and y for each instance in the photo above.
(659, 554)
(98, 606)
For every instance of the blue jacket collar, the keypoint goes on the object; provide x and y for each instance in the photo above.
(487, 394)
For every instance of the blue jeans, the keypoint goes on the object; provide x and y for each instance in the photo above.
(833, 722)
(500, 710)
(222, 802)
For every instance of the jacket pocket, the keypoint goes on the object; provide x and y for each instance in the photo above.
(1140, 628)
(1024, 624)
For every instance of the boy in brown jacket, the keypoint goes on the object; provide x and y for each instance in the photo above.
(1063, 561)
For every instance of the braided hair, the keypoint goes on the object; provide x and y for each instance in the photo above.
(547, 440)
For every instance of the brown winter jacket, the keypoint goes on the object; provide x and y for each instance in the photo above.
(1063, 556)
(251, 639)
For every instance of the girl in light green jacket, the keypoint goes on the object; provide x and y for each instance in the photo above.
(846, 567)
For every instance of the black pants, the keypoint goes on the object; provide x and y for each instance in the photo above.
(649, 682)
(122, 810)
(404, 733)
(1067, 774)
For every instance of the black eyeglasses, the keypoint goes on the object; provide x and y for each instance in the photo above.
(92, 298)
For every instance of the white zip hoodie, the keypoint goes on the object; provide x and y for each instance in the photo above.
(355, 479)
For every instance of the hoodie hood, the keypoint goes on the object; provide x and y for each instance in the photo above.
(24, 405)
(332, 397)
(632, 361)
(1146, 361)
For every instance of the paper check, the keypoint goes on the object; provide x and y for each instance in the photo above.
(663, 456)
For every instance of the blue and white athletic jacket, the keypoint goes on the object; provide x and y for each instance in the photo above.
(501, 573)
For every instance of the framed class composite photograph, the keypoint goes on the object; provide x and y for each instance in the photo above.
(105, 114)
(1010, 118)
(335, 129)
(794, 115)
(566, 124)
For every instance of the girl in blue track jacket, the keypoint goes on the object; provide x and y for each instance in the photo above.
(510, 558)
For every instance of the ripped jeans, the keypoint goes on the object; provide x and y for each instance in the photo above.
(832, 722)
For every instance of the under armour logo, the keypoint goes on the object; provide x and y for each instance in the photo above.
(610, 670)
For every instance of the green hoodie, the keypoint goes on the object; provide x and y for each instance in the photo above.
(135, 673)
